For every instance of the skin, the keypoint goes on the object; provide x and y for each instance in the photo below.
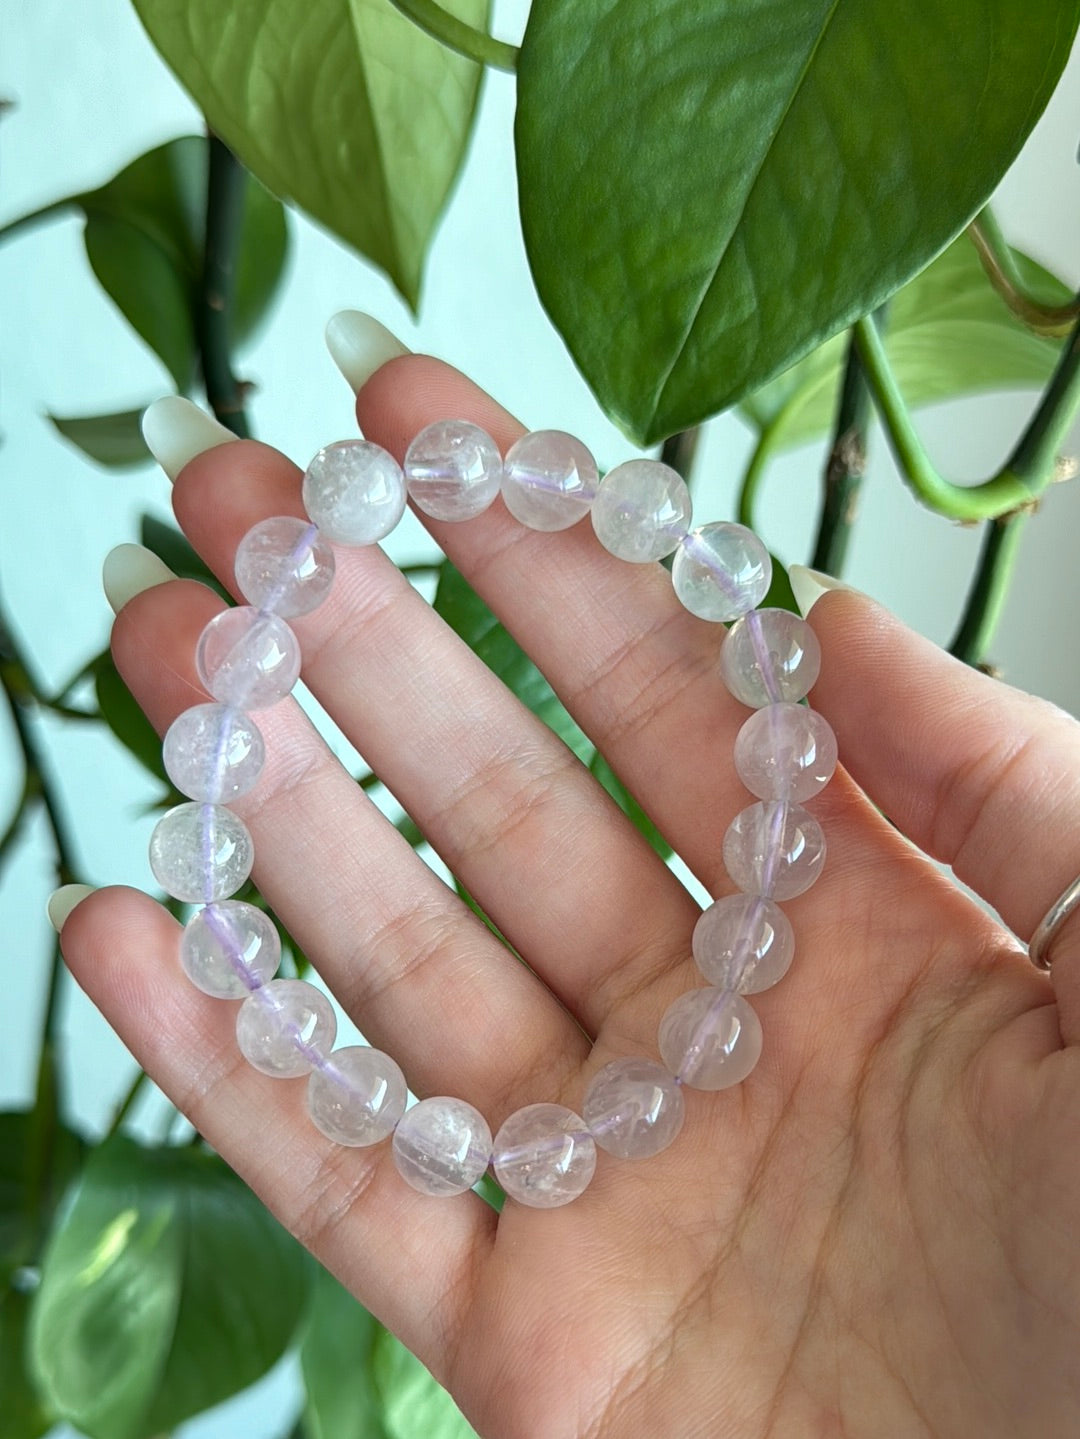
(876, 1234)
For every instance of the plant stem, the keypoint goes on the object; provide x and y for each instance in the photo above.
(845, 467)
(456, 35)
(124, 1108)
(752, 479)
(1024, 476)
(990, 586)
(999, 262)
(680, 449)
(226, 185)
(35, 217)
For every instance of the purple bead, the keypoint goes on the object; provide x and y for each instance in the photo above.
(634, 1108)
(284, 566)
(544, 1156)
(769, 656)
(286, 1028)
(229, 949)
(213, 753)
(744, 942)
(775, 849)
(453, 470)
(721, 571)
(710, 1038)
(785, 751)
(247, 659)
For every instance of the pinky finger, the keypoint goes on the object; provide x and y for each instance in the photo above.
(410, 1259)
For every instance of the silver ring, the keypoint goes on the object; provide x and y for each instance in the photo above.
(1051, 922)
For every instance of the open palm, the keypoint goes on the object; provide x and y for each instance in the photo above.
(876, 1234)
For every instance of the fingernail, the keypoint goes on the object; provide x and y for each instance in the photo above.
(176, 431)
(130, 569)
(809, 585)
(63, 900)
(359, 346)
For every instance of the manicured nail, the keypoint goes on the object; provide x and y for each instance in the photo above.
(359, 346)
(176, 431)
(63, 900)
(130, 569)
(809, 585)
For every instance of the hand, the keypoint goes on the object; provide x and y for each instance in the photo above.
(876, 1234)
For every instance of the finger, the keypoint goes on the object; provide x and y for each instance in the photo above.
(421, 976)
(517, 818)
(411, 1259)
(978, 774)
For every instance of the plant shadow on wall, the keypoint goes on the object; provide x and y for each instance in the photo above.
(788, 216)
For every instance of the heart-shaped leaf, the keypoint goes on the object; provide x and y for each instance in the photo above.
(24, 1416)
(144, 239)
(948, 334)
(342, 106)
(335, 1360)
(709, 191)
(121, 712)
(166, 1288)
(27, 1202)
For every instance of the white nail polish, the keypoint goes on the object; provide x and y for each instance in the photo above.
(63, 900)
(130, 569)
(809, 585)
(359, 346)
(176, 431)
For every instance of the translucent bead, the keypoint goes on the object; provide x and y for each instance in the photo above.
(355, 492)
(641, 511)
(785, 751)
(775, 849)
(770, 656)
(633, 1108)
(229, 949)
(246, 659)
(286, 1028)
(201, 852)
(721, 571)
(213, 753)
(285, 566)
(549, 480)
(453, 470)
(710, 1038)
(357, 1096)
(544, 1156)
(442, 1146)
(744, 942)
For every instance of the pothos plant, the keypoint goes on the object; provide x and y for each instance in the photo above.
(777, 206)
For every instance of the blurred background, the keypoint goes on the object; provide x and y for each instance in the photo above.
(88, 93)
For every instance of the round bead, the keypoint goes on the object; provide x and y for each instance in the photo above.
(355, 492)
(785, 751)
(357, 1096)
(775, 849)
(544, 1156)
(549, 480)
(641, 511)
(229, 949)
(442, 1146)
(744, 942)
(770, 656)
(721, 571)
(201, 852)
(247, 659)
(285, 566)
(213, 753)
(634, 1108)
(285, 1028)
(710, 1038)
(453, 470)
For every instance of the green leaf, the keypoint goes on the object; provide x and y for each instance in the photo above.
(144, 239)
(467, 614)
(709, 191)
(415, 1406)
(948, 333)
(336, 1362)
(24, 1416)
(166, 1288)
(114, 441)
(342, 106)
(176, 551)
(121, 712)
(27, 1204)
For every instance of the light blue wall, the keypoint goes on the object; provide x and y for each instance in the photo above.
(90, 94)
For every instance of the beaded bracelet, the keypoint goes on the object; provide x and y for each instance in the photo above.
(248, 658)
